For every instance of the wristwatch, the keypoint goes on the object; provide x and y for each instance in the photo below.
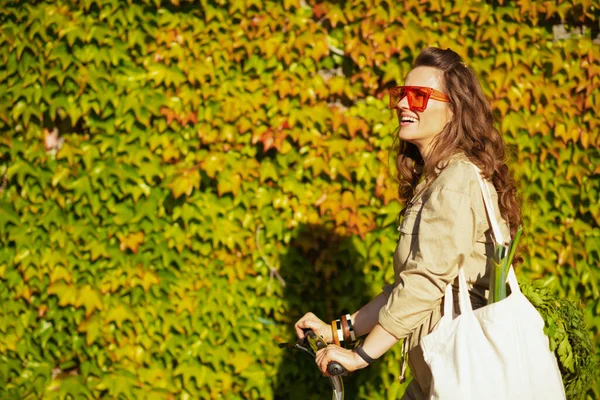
(361, 352)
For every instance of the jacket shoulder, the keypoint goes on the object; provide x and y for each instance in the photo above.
(458, 175)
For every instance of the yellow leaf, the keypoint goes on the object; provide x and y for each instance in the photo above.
(170, 153)
(348, 201)
(230, 183)
(185, 183)
(97, 250)
(336, 85)
(341, 217)
(560, 131)
(60, 173)
(119, 314)
(89, 299)
(213, 164)
(67, 294)
(241, 361)
(59, 273)
(92, 327)
(10, 342)
(148, 279)
(132, 241)
(186, 303)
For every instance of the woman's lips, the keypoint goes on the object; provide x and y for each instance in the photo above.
(406, 123)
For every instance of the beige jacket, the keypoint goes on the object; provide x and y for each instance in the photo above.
(445, 225)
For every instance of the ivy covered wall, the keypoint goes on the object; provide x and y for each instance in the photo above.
(182, 180)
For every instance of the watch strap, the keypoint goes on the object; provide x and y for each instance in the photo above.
(361, 352)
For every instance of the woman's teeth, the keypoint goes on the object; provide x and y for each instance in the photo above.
(409, 119)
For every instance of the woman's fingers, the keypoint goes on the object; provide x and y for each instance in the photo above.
(311, 321)
(335, 353)
(324, 357)
(308, 321)
(319, 358)
(298, 326)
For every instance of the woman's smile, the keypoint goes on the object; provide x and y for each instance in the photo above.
(407, 120)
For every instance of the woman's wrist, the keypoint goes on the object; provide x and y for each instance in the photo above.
(329, 337)
(378, 342)
(359, 362)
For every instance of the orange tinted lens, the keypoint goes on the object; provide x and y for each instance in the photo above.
(417, 99)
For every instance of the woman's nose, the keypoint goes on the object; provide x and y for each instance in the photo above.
(403, 103)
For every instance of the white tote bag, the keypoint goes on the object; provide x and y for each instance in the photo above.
(498, 351)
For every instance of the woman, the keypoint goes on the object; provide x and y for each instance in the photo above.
(445, 124)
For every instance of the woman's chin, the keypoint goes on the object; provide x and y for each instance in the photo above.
(407, 133)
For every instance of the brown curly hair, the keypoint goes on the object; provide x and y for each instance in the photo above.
(471, 131)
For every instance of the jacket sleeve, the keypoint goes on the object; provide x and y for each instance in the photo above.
(443, 235)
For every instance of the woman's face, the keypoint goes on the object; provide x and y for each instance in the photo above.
(429, 123)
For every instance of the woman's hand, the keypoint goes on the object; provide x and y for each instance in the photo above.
(311, 321)
(348, 358)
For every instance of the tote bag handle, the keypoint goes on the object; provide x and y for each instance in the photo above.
(463, 291)
(489, 207)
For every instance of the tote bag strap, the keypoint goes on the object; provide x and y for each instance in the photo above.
(463, 290)
(489, 207)
(498, 237)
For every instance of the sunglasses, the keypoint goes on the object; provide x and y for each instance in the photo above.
(418, 96)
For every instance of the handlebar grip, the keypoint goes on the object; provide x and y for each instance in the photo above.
(335, 368)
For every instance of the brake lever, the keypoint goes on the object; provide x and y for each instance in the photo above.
(297, 346)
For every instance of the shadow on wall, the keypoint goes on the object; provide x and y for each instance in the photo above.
(323, 273)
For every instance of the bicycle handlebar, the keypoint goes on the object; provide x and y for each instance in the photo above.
(311, 343)
(334, 367)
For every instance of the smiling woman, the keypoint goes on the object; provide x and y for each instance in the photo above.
(421, 111)
(445, 126)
